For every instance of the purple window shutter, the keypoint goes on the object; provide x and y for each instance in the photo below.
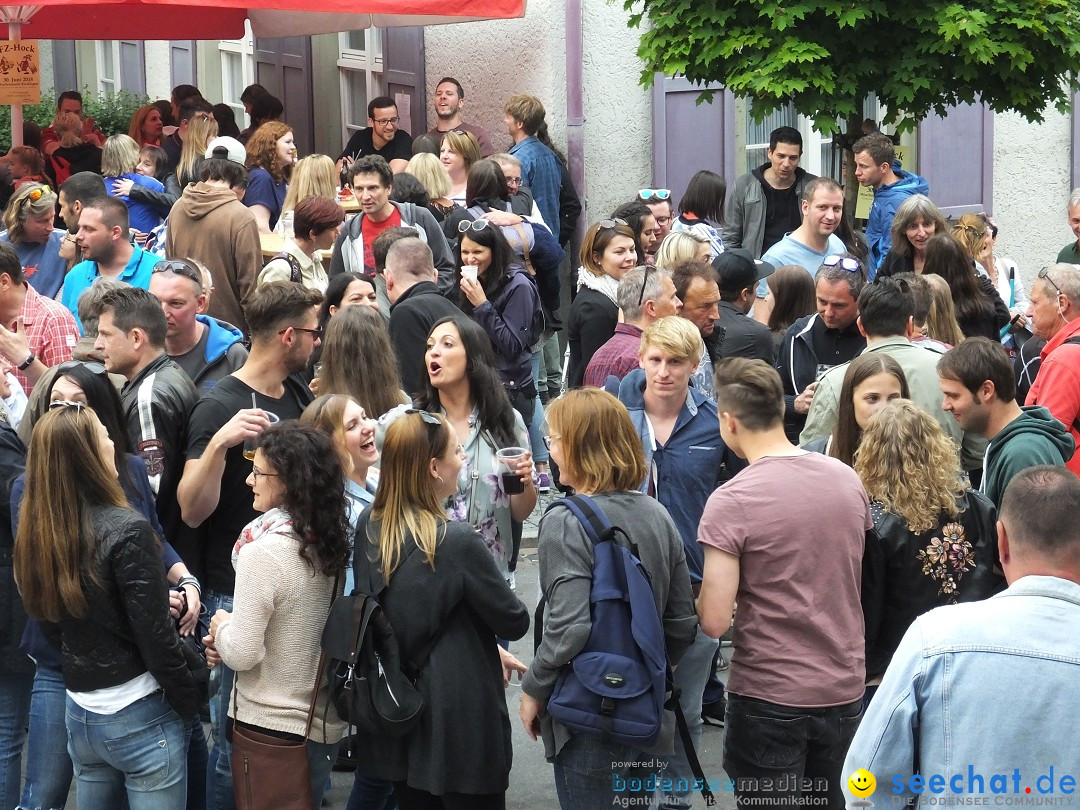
(956, 156)
(688, 136)
(132, 66)
(403, 59)
(182, 62)
(283, 66)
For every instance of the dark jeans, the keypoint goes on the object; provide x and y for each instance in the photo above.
(781, 753)
(410, 798)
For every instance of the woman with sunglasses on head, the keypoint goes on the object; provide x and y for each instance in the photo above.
(459, 755)
(48, 768)
(979, 309)
(463, 384)
(608, 252)
(89, 570)
(701, 209)
(290, 563)
(28, 227)
(458, 152)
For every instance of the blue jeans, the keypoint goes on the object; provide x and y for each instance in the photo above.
(690, 677)
(14, 710)
(48, 763)
(769, 744)
(590, 775)
(219, 782)
(536, 424)
(321, 758)
(371, 793)
(140, 752)
(196, 766)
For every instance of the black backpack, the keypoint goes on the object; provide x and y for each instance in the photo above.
(295, 274)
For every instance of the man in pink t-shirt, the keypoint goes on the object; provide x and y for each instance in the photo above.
(784, 540)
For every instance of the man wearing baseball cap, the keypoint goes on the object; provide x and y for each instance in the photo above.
(735, 334)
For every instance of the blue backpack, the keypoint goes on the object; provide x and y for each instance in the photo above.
(616, 687)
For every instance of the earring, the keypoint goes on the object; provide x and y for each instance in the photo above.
(439, 477)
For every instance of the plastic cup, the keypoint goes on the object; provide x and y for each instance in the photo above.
(468, 271)
(249, 444)
(507, 458)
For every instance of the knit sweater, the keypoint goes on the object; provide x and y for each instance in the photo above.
(272, 638)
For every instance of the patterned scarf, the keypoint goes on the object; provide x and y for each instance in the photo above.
(276, 521)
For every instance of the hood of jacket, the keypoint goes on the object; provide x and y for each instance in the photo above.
(907, 183)
(220, 336)
(200, 199)
(759, 173)
(1034, 421)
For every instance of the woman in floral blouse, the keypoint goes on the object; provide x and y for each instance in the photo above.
(936, 538)
(464, 385)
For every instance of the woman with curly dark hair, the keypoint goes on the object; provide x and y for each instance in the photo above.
(271, 154)
(288, 563)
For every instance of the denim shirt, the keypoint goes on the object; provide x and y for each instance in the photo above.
(684, 471)
(541, 173)
(988, 686)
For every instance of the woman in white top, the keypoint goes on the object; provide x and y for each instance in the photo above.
(288, 562)
(317, 222)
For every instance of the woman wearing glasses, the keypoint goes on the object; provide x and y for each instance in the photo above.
(89, 569)
(288, 561)
(464, 385)
(608, 251)
(459, 756)
(48, 767)
(458, 152)
(271, 154)
(28, 223)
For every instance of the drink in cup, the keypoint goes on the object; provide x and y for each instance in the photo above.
(508, 458)
(249, 444)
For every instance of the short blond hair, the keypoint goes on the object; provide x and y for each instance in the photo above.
(675, 336)
(119, 156)
(428, 169)
(601, 450)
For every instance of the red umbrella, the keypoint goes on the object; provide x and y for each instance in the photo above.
(224, 19)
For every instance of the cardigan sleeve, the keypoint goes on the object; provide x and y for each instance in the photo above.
(241, 639)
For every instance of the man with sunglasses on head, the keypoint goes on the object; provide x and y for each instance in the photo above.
(766, 203)
(205, 348)
(1054, 316)
(659, 202)
(381, 137)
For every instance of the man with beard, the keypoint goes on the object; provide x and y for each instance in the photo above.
(449, 100)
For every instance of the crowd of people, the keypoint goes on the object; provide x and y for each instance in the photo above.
(239, 383)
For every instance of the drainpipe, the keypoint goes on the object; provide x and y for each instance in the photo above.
(575, 114)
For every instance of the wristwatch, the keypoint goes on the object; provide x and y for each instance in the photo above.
(25, 364)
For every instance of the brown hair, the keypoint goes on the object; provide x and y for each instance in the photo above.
(600, 447)
(596, 240)
(358, 360)
(793, 296)
(847, 433)
(751, 391)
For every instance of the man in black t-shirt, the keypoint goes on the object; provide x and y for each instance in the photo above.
(213, 492)
(381, 137)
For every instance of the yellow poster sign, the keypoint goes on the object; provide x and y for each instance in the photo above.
(866, 194)
(20, 79)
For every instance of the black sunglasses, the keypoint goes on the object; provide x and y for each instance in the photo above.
(315, 333)
(180, 268)
(644, 284)
(92, 366)
(1045, 274)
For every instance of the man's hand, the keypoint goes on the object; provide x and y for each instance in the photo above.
(529, 711)
(245, 424)
(502, 218)
(803, 400)
(13, 346)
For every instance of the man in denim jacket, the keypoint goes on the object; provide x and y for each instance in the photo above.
(940, 711)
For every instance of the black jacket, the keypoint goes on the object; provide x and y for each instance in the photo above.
(904, 575)
(736, 335)
(12, 614)
(411, 318)
(590, 324)
(127, 630)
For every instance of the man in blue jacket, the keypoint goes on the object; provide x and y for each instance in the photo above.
(876, 166)
(685, 456)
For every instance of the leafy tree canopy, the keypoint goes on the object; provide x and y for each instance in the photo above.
(825, 56)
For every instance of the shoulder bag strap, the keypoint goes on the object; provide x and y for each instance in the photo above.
(525, 248)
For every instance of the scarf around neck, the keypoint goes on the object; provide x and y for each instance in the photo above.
(604, 284)
(275, 521)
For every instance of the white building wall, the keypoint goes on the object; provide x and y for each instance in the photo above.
(158, 76)
(1031, 188)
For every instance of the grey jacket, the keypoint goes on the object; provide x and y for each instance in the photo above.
(744, 221)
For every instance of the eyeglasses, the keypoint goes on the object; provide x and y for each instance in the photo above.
(256, 473)
(549, 439)
(476, 225)
(515, 182)
(385, 122)
(92, 366)
(315, 333)
(655, 193)
(428, 417)
(608, 224)
(66, 403)
(644, 284)
(36, 194)
(849, 263)
(1045, 274)
(180, 268)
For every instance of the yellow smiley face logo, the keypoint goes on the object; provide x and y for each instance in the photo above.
(862, 783)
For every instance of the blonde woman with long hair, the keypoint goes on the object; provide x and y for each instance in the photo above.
(941, 323)
(312, 176)
(200, 132)
(459, 755)
(936, 538)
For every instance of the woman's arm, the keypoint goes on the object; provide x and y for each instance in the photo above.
(509, 325)
(240, 637)
(262, 217)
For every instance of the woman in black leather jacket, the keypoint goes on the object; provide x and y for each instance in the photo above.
(89, 569)
(937, 537)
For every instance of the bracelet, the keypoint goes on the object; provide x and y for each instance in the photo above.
(25, 364)
(189, 580)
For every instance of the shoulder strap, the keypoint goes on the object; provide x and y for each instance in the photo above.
(592, 518)
(295, 275)
(525, 248)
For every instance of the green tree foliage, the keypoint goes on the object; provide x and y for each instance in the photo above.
(825, 56)
(111, 112)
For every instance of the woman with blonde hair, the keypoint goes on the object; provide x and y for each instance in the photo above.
(89, 570)
(358, 360)
(459, 755)
(599, 455)
(119, 157)
(146, 126)
(312, 176)
(431, 173)
(917, 219)
(936, 539)
(458, 152)
(28, 223)
(200, 132)
(941, 323)
(271, 154)
(681, 246)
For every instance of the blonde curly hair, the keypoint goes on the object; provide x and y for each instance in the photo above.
(908, 465)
